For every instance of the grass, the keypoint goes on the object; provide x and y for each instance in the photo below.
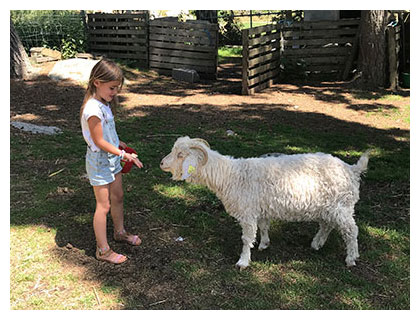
(48, 212)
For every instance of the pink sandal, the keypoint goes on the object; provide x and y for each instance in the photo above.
(124, 236)
(110, 256)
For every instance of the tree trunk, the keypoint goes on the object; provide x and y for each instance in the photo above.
(20, 66)
(372, 53)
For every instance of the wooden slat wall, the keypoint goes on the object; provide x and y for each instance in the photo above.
(260, 57)
(190, 45)
(319, 49)
(119, 36)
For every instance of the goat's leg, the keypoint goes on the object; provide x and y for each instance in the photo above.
(349, 231)
(249, 232)
(322, 235)
(264, 225)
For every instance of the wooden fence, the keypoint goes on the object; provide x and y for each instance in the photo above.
(190, 45)
(320, 48)
(394, 40)
(120, 36)
(303, 49)
(260, 57)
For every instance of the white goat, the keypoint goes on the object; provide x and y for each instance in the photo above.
(302, 187)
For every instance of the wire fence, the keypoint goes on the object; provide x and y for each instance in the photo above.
(54, 29)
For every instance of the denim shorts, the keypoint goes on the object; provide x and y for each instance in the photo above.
(101, 167)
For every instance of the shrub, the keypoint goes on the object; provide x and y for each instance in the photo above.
(61, 30)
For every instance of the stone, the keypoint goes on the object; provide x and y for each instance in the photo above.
(187, 75)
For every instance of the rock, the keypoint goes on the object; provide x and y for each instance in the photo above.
(73, 69)
(187, 75)
(33, 128)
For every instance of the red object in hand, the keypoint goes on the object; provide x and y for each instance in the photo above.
(127, 164)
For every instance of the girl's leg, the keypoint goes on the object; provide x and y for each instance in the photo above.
(103, 252)
(117, 212)
(99, 219)
(117, 203)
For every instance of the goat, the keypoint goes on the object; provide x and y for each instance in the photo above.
(301, 187)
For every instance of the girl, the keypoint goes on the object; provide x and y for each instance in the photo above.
(103, 156)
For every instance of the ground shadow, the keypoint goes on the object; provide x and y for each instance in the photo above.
(150, 280)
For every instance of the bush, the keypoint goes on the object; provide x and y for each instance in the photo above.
(61, 30)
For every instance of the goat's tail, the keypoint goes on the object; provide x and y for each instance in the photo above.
(361, 165)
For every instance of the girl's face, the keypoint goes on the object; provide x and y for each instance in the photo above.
(106, 91)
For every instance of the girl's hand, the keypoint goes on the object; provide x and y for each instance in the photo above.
(133, 157)
(122, 145)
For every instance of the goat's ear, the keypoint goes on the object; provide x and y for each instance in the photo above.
(206, 156)
(189, 166)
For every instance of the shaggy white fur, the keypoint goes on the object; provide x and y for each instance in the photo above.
(302, 187)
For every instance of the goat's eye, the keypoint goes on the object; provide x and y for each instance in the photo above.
(180, 155)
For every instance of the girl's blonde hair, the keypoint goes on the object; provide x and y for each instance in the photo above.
(104, 71)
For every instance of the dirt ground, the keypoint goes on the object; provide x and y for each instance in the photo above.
(47, 102)
(336, 99)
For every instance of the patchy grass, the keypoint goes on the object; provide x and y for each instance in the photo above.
(52, 264)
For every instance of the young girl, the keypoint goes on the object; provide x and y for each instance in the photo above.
(103, 157)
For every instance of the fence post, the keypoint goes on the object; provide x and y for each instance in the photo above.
(392, 56)
(245, 60)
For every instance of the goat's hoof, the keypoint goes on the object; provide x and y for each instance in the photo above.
(350, 263)
(263, 246)
(241, 265)
(316, 246)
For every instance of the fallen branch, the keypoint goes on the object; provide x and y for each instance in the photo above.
(159, 302)
(54, 173)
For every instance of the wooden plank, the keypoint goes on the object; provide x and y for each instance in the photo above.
(264, 39)
(323, 24)
(297, 52)
(179, 53)
(116, 48)
(321, 60)
(261, 86)
(181, 60)
(170, 66)
(264, 68)
(182, 32)
(179, 46)
(263, 49)
(185, 25)
(263, 77)
(179, 39)
(319, 33)
(392, 59)
(264, 29)
(119, 24)
(129, 40)
(117, 31)
(317, 42)
(262, 59)
(119, 55)
(245, 61)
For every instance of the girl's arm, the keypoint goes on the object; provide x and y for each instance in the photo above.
(95, 128)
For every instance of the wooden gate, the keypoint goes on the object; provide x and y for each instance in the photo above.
(322, 49)
(120, 36)
(190, 45)
(260, 57)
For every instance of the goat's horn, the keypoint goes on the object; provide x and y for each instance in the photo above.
(203, 141)
(206, 157)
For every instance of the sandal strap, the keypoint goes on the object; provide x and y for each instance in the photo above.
(134, 240)
(125, 236)
(105, 255)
